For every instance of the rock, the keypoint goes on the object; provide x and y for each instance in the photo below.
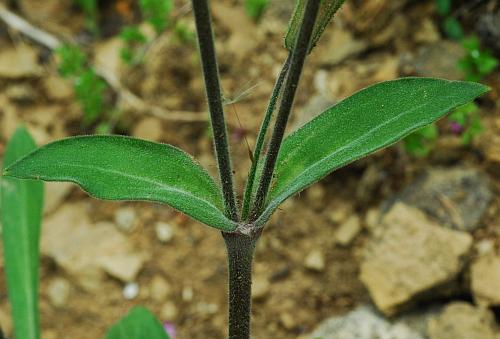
(260, 287)
(427, 32)
(55, 193)
(5, 321)
(488, 28)
(58, 292)
(57, 88)
(338, 45)
(169, 311)
(21, 93)
(207, 308)
(315, 196)
(86, 251)
(107, 55)
(485, 280)
(346, 233)
(160, 288)
(438, 60)
(455, 197)
(131, 290)
(164, 232)
(363, 323)
(411, 257)
(125, 218)
(288, 321)
(148, 128)
(19, 62)
(187, 293)
(461, 320)
(340, 212)
(10, 119)
(315, 261)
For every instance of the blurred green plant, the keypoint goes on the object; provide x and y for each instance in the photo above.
(450, 25)
(478, 62)
(421, 142)
(255, 8)
(133, 41)
(91, 11)
(156, 12)
(89, 87)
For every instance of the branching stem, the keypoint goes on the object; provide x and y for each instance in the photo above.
(299, 54)
(212, 85)
(262, 136)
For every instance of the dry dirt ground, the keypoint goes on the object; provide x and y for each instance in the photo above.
(302, 274)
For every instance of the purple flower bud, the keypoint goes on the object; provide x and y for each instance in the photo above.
(456, 128)
(170, 329)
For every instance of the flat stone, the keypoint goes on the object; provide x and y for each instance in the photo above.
(439, 60)
(54, 195)
(87, 251)
(125, 218)
(57, 88)
(363, 323)
(411, 257)
(485, 280)
(461, 320)
(160, 288)
(19, 62)
(456, 197)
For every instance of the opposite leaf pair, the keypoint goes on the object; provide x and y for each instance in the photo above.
(122, 168)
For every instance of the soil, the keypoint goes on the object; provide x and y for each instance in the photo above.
(370, 49)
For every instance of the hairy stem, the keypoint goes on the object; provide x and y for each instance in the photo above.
(299, 54)
(212, 85)
(262, 136)
(240, 250)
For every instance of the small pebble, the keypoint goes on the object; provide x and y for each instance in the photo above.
(260, 287)
(58, 292)
(169, 311)
(315, 261)
(187, 294)
(131, 290)
(207, 308)
(160, 289)
(125, 219)
(164, 232)
(346, 233)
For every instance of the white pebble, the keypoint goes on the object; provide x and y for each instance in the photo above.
(131, 290)
(164, 232)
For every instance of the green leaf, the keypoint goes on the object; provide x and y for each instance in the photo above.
(139, 323)
(326, 11)
(21, 213)
(369, 120)
(123, 168)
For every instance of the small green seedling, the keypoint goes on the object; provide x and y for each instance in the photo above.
(478, 62)
(89, 87)
(255, 8)
(123, 168)
(133, 41)
(451, 26)
(156, 12)
(21, 203)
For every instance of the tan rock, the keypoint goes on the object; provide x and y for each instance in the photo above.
(54, 195)
(346, 233)
(57, 88)
(19, 62)
(148, 128)
(411, 256)
(485, 280)
(58, 291)
(85, 250)
(461, 320)
(315, 261)
(260, 287)
(160, 288)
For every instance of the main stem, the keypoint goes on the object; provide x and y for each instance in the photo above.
(211, 76)
(240, 250)
(299, 54)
